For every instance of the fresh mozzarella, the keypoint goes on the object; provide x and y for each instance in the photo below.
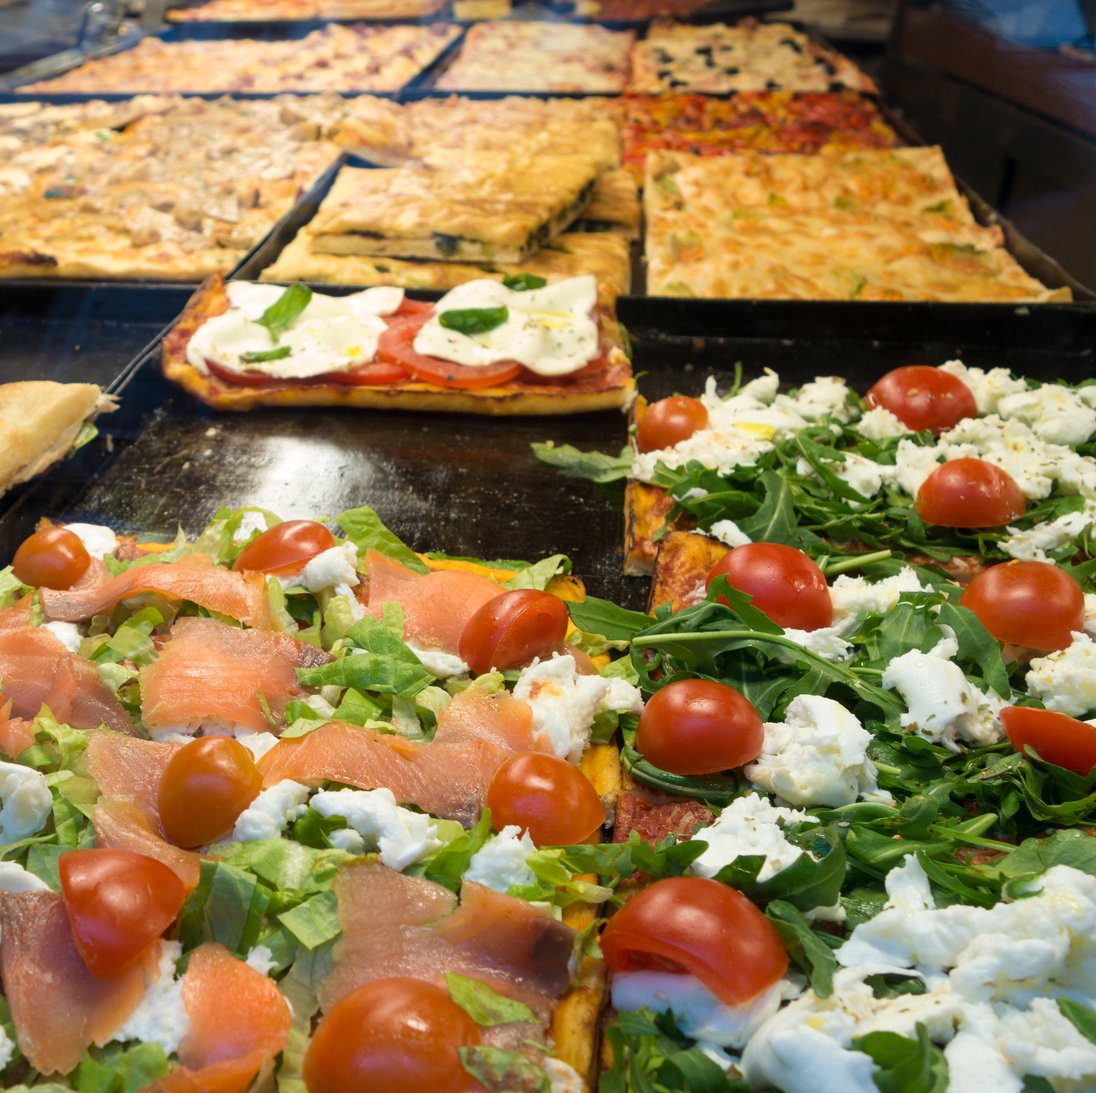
(728, 532)
(438, 662)
(67, 633)
(271, 812)
(988, 388)
(332, 334)
(1032, 545)
(97, 539)
(501, 862)
(161, 1016)
(822, 396)
(880, 424)
(549, 330)
(14, 878)
(26, 802)
(331, 569)
(854, 598)
(1056, 414)
(1066, 680)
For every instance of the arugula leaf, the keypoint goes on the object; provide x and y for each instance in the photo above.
(523, 282)
(278, 354)
(809, 952)
(596, 466)
(285, 310)
(485, 1006)
(474, 320)
(607, 619)
(365, 529)
(501, 1071)
(977, 646)
(907, 1065)
(1036, 856)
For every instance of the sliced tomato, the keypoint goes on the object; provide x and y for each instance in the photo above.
(413, 307)
(1055, 737)
(396, 346)
(364, 375)
(247, 379)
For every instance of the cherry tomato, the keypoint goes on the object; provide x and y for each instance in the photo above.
(512, 629)
(118, 903)
(783, 582)
(285, 547)
(396, 346)
(206, 785)
(1055, 737)
(1033, 604)
(51, 558)
(699, 926)
(547, 796)
(970, 493)
(391, 1036)
(670, 421)
(922, 397)
(698, 726)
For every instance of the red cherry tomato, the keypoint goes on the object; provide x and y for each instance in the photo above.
(670, 421)
(285, 547)
(698, 726)
(51, 558)
(512, 629)
(698, 926)
(1055, 737)
(206, 785)
(970, 493)
(547, 796)
(118, 903)
(783, 582)
(396, 346)
(1033, 604)
(922, 397)
(391, 1036)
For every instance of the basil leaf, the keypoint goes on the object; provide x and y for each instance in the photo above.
(278, 354)
(364, 528)
(500, 1071)
(907, 1065)
(285, 310)
(474, 320)
(523, 282)
(485, 1006)
(596, 466)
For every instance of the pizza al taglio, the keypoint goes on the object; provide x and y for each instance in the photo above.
(40, 421)
(523, 346)
(365, 844)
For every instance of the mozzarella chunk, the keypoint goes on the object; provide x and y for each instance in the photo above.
(438, 662)
(399, 835)
(1054, 413)
(1032, 545)
(816, 756)
(863, 474)
(825, 642)
(271, 812)
(749, 825)
(501, 862)
(944, 706)
(565, 703)
(26, 802)
(823, 395)
(879, 423)
(988, 388)
(67, 633)
(854, 598)
(562, 1077)
(97, 539)
(161, 1017)
(728, 532)
(14, 878)
(333, 567)
(1066, 680)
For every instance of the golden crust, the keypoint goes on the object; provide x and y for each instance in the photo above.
(611, 388)
(615, 203)
(681, 564)
(645, 510)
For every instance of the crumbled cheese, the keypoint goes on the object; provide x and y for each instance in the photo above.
(565, 703)
(749, 825)
(854, 598)
(14, 878)
(161, 1017)
(26, 802)
(727, 531)
(438, 662)
(501, 862)
(97, 539)
(261, 959)
(823, 395)
(1066, 680)
(1054, 413)
(880, 424)
(250, 523)
(816, 756)
(334, 568)
(988, 388)
(862, 474)
(1032, 545)
(67, 633)
(271, 812)
(400, 835)
(825, 642)
(258, 743)
(7, 1048)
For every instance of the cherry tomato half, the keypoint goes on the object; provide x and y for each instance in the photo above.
(698, 726)
(922, 397)
(670, 421)
(52, 557)
(1033, 604)
(783, 582)
(391, 1036)
(285, 547)
(396, 346)
(206, 785)
(1055, 737)
(698, 926)
(970, 493)
(547, 796)
(118, 903)
(512, 629)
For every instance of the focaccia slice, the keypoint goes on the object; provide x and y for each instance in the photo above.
(604, 254)
(608, 386)
(490, 206)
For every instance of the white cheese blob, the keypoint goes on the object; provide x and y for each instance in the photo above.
(562, 1077)
(26, 802)
(332, 334)
(398, 834)
(67, 633)
(97, 539)
(1054, 413)
(501, 862)
(727, 531)
(271, 812)
(438, 662)
(823, 395)
(854, 598)
(988, 388)
(1066, 680)
(334, 568)
(1032, 545)
(161, 1017)
(879, 423)
(14, 878)
(550, 330)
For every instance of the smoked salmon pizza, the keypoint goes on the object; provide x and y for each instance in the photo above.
(520, 346)
(276, 796)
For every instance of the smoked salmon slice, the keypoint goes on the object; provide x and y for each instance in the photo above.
(38, 670)
(120, 825)
(447, 776)
(435, 605)
(394, 925)
(58, 1007)
(238, 1020)
(210, 672)
(130, 769)
(194, 578)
